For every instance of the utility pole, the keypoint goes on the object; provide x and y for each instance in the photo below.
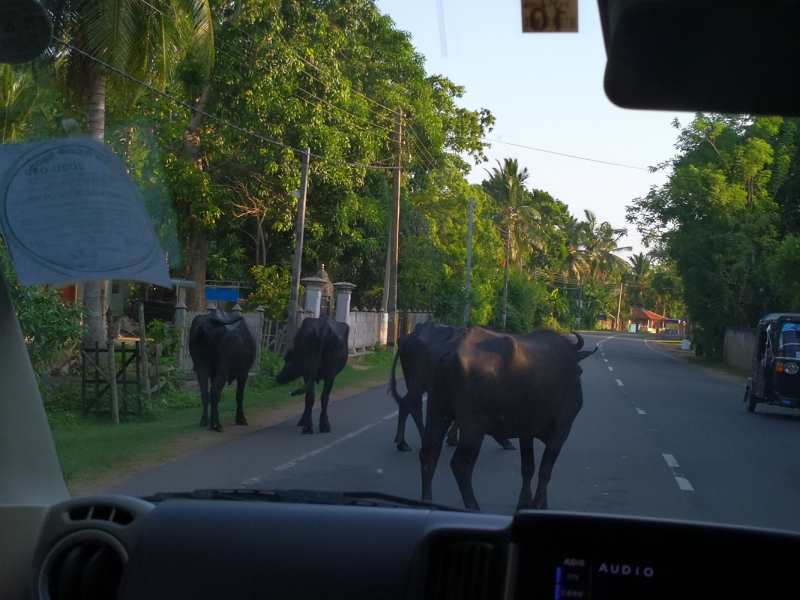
(390, 277)
(505, 277)
(619, 306)
(298, 248)
(469, 260)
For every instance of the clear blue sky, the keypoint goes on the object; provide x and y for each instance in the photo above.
(546, 91)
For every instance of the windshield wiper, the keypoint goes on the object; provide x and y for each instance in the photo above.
(374, 499)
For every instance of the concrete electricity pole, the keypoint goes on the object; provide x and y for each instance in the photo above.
(390, 276)
(619, 306)
(469, 260)
(298, 248)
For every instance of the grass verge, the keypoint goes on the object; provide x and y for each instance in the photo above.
(91, 447)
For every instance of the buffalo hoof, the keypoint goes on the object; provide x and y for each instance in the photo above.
(403, 447)
(308, 430)
(241, 421)
(525, 506)
(507, 445)
(324, 427)
(217, 428)
(451, 441)
(204, 422)
(301, 422)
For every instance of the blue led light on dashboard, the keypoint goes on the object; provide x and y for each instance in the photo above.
(558, 575)
(558, 592)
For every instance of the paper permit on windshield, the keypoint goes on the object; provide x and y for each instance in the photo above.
(70, 212)
(549, 16)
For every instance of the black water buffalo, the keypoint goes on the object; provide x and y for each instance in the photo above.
(416, 352)
(319, 353)
(222, 349)
(513, 386)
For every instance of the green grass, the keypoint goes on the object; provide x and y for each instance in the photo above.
(90, 446)
(718, 365)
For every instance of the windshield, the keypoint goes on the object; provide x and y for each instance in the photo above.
(790, 340)
(338, 188)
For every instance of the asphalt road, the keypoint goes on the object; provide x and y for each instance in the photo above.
(656, 437)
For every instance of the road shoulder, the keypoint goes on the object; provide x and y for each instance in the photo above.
(720, 371)
(97, 480)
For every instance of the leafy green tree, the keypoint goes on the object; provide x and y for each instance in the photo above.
(716, 218)
(49, 326)
(139, 39)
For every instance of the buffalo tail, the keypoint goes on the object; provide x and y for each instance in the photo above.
(393, 380)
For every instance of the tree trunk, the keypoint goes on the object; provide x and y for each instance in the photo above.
(198, 246)
(505, 280)
(198, 242)
(92, 296)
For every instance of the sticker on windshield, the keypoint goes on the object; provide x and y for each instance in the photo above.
(550, 16)
(70, 212)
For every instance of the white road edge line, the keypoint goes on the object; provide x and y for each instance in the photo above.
(349, 436)
(684, 484)
(647, 343)
(619, 383)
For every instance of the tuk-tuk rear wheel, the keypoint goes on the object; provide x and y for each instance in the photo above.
(749, 400)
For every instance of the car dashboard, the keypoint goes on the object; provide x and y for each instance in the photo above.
(121, 547)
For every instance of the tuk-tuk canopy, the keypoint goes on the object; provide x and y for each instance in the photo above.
(774, 317)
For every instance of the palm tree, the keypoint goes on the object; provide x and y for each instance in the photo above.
(145, 40)
(640, 274)
(600, 246)
(515, 212)
(575, 264)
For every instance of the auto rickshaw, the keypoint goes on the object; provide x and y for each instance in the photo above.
(775, 376)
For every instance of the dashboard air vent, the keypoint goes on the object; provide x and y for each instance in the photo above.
(464, 571)
(87, 570)
(101, 512)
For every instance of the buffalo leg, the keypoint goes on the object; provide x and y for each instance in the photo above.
(463, 463)
(217, 384)
(402, 417)
(202, 379)
(324, 423)
(240, 383)
(305, 420)
(452, 435)
(551, 452)
(528, 469)
(432, 439)
(411, 404)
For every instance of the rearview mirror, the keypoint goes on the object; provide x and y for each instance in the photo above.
(726, 56)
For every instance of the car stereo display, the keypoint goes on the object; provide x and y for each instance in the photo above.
(603, 579)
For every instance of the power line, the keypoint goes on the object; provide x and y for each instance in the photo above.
(422, 145)
(210, 116)
(602, 162)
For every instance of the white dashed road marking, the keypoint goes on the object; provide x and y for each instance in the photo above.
(609, 368)
(640, 411)
(683, 483)
(605, 359)
(619, 383)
